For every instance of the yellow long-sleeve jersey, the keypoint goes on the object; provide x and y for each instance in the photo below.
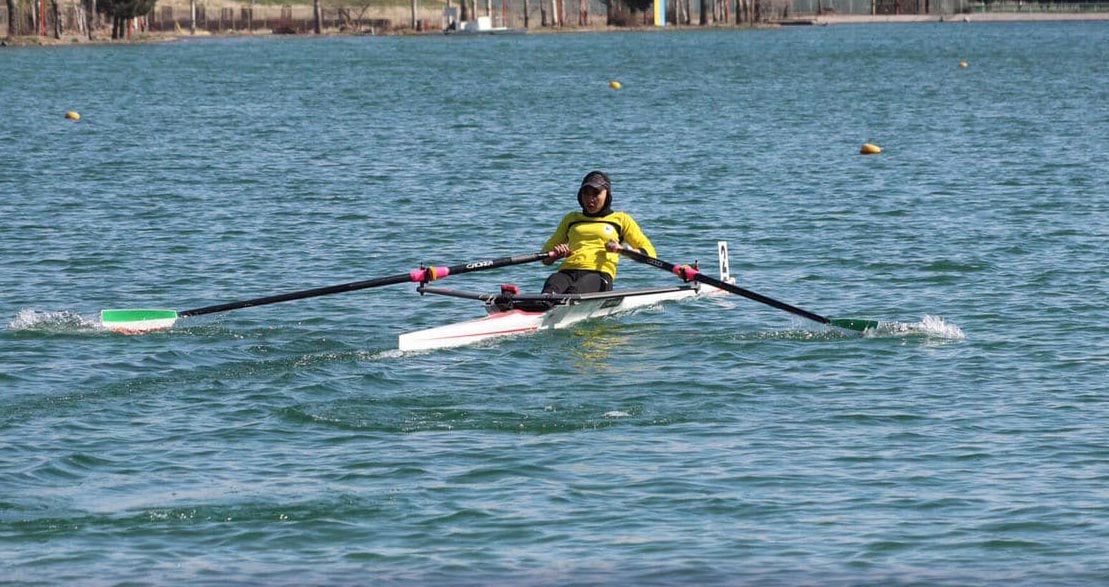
(587, 236)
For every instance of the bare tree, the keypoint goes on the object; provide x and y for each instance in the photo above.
(14, 18)
(90, 18)
(359, 8)
(57, 19)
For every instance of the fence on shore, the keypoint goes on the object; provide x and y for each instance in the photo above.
(938, 7)
(1040, 7)
(289, 19)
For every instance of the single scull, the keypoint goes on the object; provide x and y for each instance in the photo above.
(510, 313)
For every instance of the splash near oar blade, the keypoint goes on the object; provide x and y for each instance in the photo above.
(137, 321)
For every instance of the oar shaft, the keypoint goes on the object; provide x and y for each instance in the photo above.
(688, 273)
(421, 275)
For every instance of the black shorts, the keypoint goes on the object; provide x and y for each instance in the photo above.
(576, 281)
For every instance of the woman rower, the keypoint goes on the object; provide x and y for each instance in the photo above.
(590, 241)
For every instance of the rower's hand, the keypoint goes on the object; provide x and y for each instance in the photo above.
(558, 252)
(614, 247)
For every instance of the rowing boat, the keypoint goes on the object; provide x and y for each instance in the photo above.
(510, 313)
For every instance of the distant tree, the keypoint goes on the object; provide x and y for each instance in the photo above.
(122, 10)
(57, 14)
(90, 18)
(352, 13)
(14, 18)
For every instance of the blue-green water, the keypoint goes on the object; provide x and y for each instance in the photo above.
(713, 442)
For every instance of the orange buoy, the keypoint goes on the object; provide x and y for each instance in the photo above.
(869, 149)
(614, 85)
(71, 115)
(962, 64)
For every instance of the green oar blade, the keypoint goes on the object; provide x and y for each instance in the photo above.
(137, 321)
(854, 324)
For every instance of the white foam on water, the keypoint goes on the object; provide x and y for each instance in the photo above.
(929, 326)
(53, 322)
(616, 414)
(387, 354)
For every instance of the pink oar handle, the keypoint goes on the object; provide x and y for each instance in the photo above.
(426, 274)
(686, 272)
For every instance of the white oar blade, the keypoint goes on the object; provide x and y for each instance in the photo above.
(137, 321)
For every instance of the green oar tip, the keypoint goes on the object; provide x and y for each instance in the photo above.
(855, 324)
(137, 321)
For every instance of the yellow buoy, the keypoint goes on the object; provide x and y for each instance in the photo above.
(869, 149)
(72, 115)
(614, 85)
(962, 64)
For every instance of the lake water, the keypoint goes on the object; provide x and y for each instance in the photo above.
(708, 442)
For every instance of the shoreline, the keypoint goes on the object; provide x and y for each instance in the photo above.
(821, 20)
(965, 17)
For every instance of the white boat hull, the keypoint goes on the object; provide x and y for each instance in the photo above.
(516, 322)
(499, 324)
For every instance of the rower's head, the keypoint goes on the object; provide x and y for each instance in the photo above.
(595, 194)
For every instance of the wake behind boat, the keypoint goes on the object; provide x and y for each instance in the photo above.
(510, 313)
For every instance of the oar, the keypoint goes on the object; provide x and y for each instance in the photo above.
(690, 274)
(143, 320)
